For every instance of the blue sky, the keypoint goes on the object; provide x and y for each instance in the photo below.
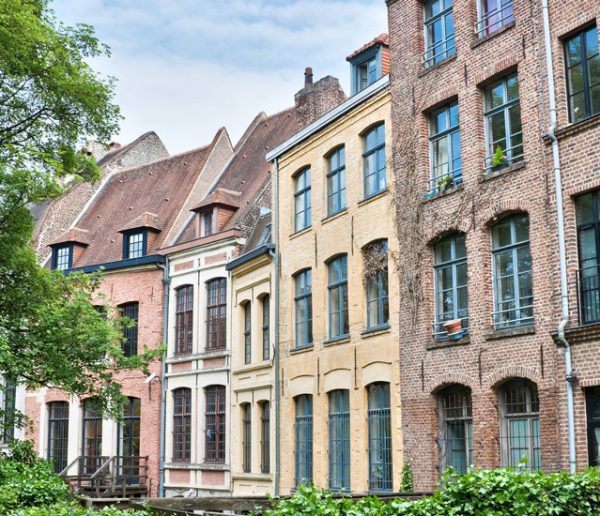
(187, 67)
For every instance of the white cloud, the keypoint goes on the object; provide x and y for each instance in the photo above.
(187, 67)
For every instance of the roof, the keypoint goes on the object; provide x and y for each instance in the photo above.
(383, 40)
(118, 151)
(73, 235)
(220, 197)
(260, 235)
(151, 195)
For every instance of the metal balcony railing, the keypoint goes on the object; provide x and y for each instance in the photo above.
(510, 156)
(513, 317)
(439, 183)
(494, 19)
(588, 295)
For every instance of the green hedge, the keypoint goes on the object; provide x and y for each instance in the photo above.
(492, 492)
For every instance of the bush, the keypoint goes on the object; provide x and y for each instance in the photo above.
(498, 492)
(74, 509)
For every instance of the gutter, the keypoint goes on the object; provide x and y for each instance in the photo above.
(250, 255)
(150, 259)
(274, 250)
(564, 288)
(163, 401)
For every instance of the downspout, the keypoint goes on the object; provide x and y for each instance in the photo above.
(564, 292)
(163, 400)
(276, 347)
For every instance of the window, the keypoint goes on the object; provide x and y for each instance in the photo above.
(134, 244)
(130, 329)
(503, 123)
(246, 438)
(374, 161)
(592, 405)
(9, 407)
(265, 236)
(450, 283)
(58, 434)
(336, 181)
(513, 294)
(184, 320)
(302, 202)
(215, 424)
(339, 440)
(266, 328)
(444, 144)
(247, 333)
(380, 437)
(439, 31)
(493, 15)
(303, 308)
(365, 72)
(216, 314)
(456, 428)
(129, 442)
(583, 74)
(588, 236)
(520, 424)
(376, 282)
(265, 437)
(303, 439)
(91, 445)
(182, 425)
(207, 223)
(338, 297)
(62, 257)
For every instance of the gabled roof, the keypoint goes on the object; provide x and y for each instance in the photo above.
(145, 220)
(220, 197)
(383, 40)
(73, 235)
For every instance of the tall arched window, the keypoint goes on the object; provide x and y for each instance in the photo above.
(303, 425)
(374, 165)
(302, 200)
(520, 423)
(513, 292)
(130, 330)
(216, 314)
(58, 434)
(337, 287)
(184, 320)
(336, 181)
(247, 332)
(265, 437)
(303, 308)
(215, 424)
(130, 440)
(456, 428)
(246, 437)
(380, 437)
(376, 283)
(91, 445)
(182, 425)
(339, 440)
(266, 327)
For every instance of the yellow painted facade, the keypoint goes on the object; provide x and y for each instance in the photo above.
(363, 356)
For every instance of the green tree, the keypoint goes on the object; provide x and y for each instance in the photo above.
(51, 101)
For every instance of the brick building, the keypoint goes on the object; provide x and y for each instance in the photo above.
(482, 378)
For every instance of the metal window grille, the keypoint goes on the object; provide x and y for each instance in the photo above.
(10, 411)
(520, 428)
(135, 245)
(336, 182)
(91, 437)
(182, 425)
(380, 437)
(215, 424)
(58, 434)
(339, 440)
(246, 438)
(503, 124)
(303, 439)
(247, 333)
(129, 442)
(456, 428)
(592, 405)
(303, 308)
(63, 258)
(444, 148)
(266, 328)
(493, 15)
(184, 320)
(338, 297)
(376, 283)
(513, 293)
(583, 74)
(439, 31)
(265, 438)
(302, 200)
(374, 165)
(450, 283)
(130, 330)
(207, 223)
(216, 314)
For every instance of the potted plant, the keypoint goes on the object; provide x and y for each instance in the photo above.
(454, 328)
(444, 183)
(498, 158)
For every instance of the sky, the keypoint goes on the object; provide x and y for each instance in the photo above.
(185, 68)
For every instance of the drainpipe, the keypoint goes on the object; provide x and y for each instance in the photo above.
(163, 401)
(564, 293)
(276, 349)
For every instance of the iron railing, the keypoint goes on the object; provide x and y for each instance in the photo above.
(440, 333)
(512, 317)
(509, 158)
(303, 452)
(588, 295)
(494, 19)
(380, 450)
(439, 51)
(339, 451)
(439, 183)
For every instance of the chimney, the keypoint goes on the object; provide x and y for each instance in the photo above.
(308, 77)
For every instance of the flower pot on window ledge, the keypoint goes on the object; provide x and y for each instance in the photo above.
(454, 328)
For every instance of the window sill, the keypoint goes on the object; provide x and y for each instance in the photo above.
(502, 171)
(448, 191)
(300, 232)
(214, 466)
(373, 197)
(580, 334)
(448, 343)
(425, 70)
(217, 353)
(334, 216)
(253, 366)
(575, 128)
(497, 32)
(342, 339)
(301, 349)
(511, 332)
(265, 477)
(375, 330)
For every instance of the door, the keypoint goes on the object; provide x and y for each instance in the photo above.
(129, 443)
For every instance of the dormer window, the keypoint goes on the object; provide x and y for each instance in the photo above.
(369, 63)
(366, 73)
(62, 257)
(207, 223)
(134, 244)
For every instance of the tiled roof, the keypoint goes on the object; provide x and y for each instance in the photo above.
(74, 235)
(222, 197)
(145, 220)
(382, 39)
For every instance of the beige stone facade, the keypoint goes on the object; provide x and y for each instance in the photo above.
(362, 356)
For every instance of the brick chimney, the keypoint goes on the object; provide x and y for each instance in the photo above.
(316, 99)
